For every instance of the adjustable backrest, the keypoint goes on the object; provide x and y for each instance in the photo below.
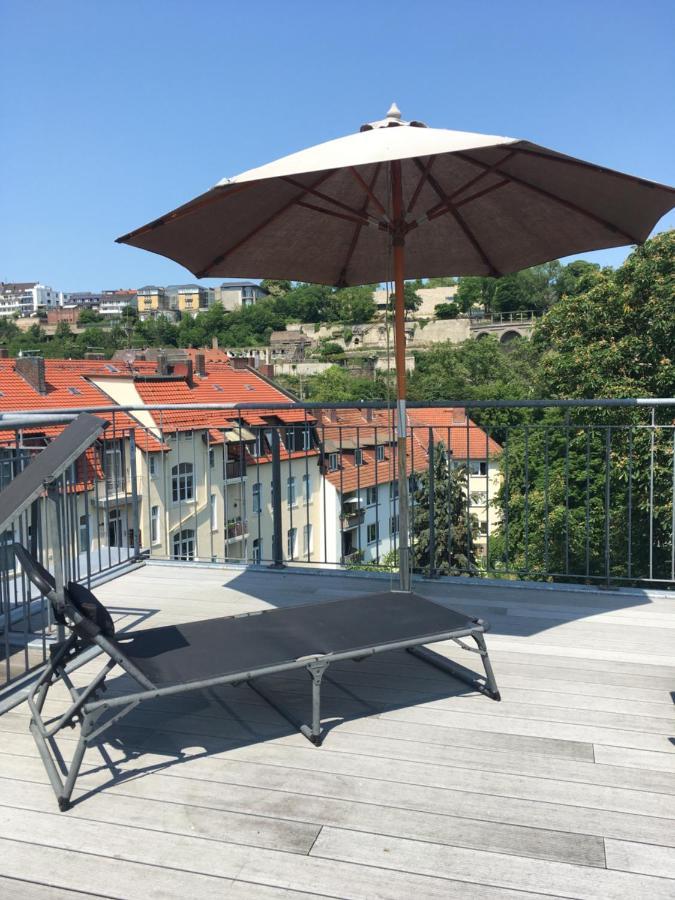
(98, 619)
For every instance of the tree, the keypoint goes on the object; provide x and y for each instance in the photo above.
(576, 487)
(330, 350)
(275, 288)
(454, 548)
(87, 316)
(352, 305)
(447, 310)
(337, 385)
(411, 299)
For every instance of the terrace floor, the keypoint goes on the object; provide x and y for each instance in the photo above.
(422, 788)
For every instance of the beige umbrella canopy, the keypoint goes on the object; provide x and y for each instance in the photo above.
(398, 200)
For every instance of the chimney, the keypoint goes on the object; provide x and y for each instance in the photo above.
(332, 415)
(32, 370)
(214, 342)
(4, 353)
(369, 414)
(200, 364)
(189, 373)
(162, 363)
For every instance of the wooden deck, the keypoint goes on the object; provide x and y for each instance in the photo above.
(422, 788)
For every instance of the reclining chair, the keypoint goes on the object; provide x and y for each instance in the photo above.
(230, 650)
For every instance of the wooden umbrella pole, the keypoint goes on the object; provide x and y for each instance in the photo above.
(399, 344)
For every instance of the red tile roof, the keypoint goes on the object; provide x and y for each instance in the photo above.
(353, 428)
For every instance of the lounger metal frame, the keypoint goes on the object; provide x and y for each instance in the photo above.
(88, 704)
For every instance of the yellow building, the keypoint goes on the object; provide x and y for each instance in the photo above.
(152, 301)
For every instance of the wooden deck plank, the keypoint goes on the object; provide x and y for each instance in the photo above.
(103, 846)
(495, 869)
(422, 786)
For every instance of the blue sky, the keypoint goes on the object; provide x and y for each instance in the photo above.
(115, 112)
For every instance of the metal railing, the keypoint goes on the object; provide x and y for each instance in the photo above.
(574, 491)
(98, 511)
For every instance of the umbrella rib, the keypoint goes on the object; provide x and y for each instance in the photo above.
(358, 227)
(333, 212)
(462, 224)
(217, 193)
(420, 184)
(556, 199)
(570, 161)
(251, 234)
(368, 188)
(441, 209)
(368, 219)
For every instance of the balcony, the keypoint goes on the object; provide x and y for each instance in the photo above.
(235, 470)
(235, 529)
(352, 517)
(420, 785)
(564, 787)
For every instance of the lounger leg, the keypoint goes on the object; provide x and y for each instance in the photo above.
(487, 665)
(315, 734)
(487, 687)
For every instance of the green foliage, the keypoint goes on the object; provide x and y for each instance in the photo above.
(537, 288)
(447, 310)
(454, 551)
(617, 338)
(411, 299)
(337, 385)
(330, 350)
(89, 316)
(577, 489)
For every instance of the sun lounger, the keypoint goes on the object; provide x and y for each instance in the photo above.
(175, 659)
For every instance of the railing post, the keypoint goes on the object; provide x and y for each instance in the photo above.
(135, 517)
(277, 545)
(432, 508)
(56, 539)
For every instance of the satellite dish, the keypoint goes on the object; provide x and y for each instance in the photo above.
(129, 357)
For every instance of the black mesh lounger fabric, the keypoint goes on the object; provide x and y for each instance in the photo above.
(179, 654)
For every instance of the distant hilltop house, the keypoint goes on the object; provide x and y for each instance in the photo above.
(289, 346)
(25, 298)
(239, 294)
(430, 297)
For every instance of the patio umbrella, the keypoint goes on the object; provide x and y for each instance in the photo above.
(399, 200)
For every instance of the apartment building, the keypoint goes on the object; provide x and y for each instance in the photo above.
(24, 298)
(189, 299)
(209, 494)
(152, 301)
(239, 294)
(361, 470)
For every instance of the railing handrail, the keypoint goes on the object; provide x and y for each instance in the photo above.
(9, 419)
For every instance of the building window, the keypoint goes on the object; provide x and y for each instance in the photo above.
(154, 525)
(152, 466)
(358, 457)
(393, 490)
(379, 452)
(307, 541)
(257, 551)
(307, 487)
(371, 496)
(182, 482)
(333, 462)
(290, 439)
(184, 544)
(393, 524)
(257, 507)
(291, 490)
(292, 540)
(212, 457)
(477, 467)
(373, 532)
(214, 512)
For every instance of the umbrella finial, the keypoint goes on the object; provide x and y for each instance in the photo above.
(393, 112)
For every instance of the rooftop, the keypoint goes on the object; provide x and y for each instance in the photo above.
(565, 788)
